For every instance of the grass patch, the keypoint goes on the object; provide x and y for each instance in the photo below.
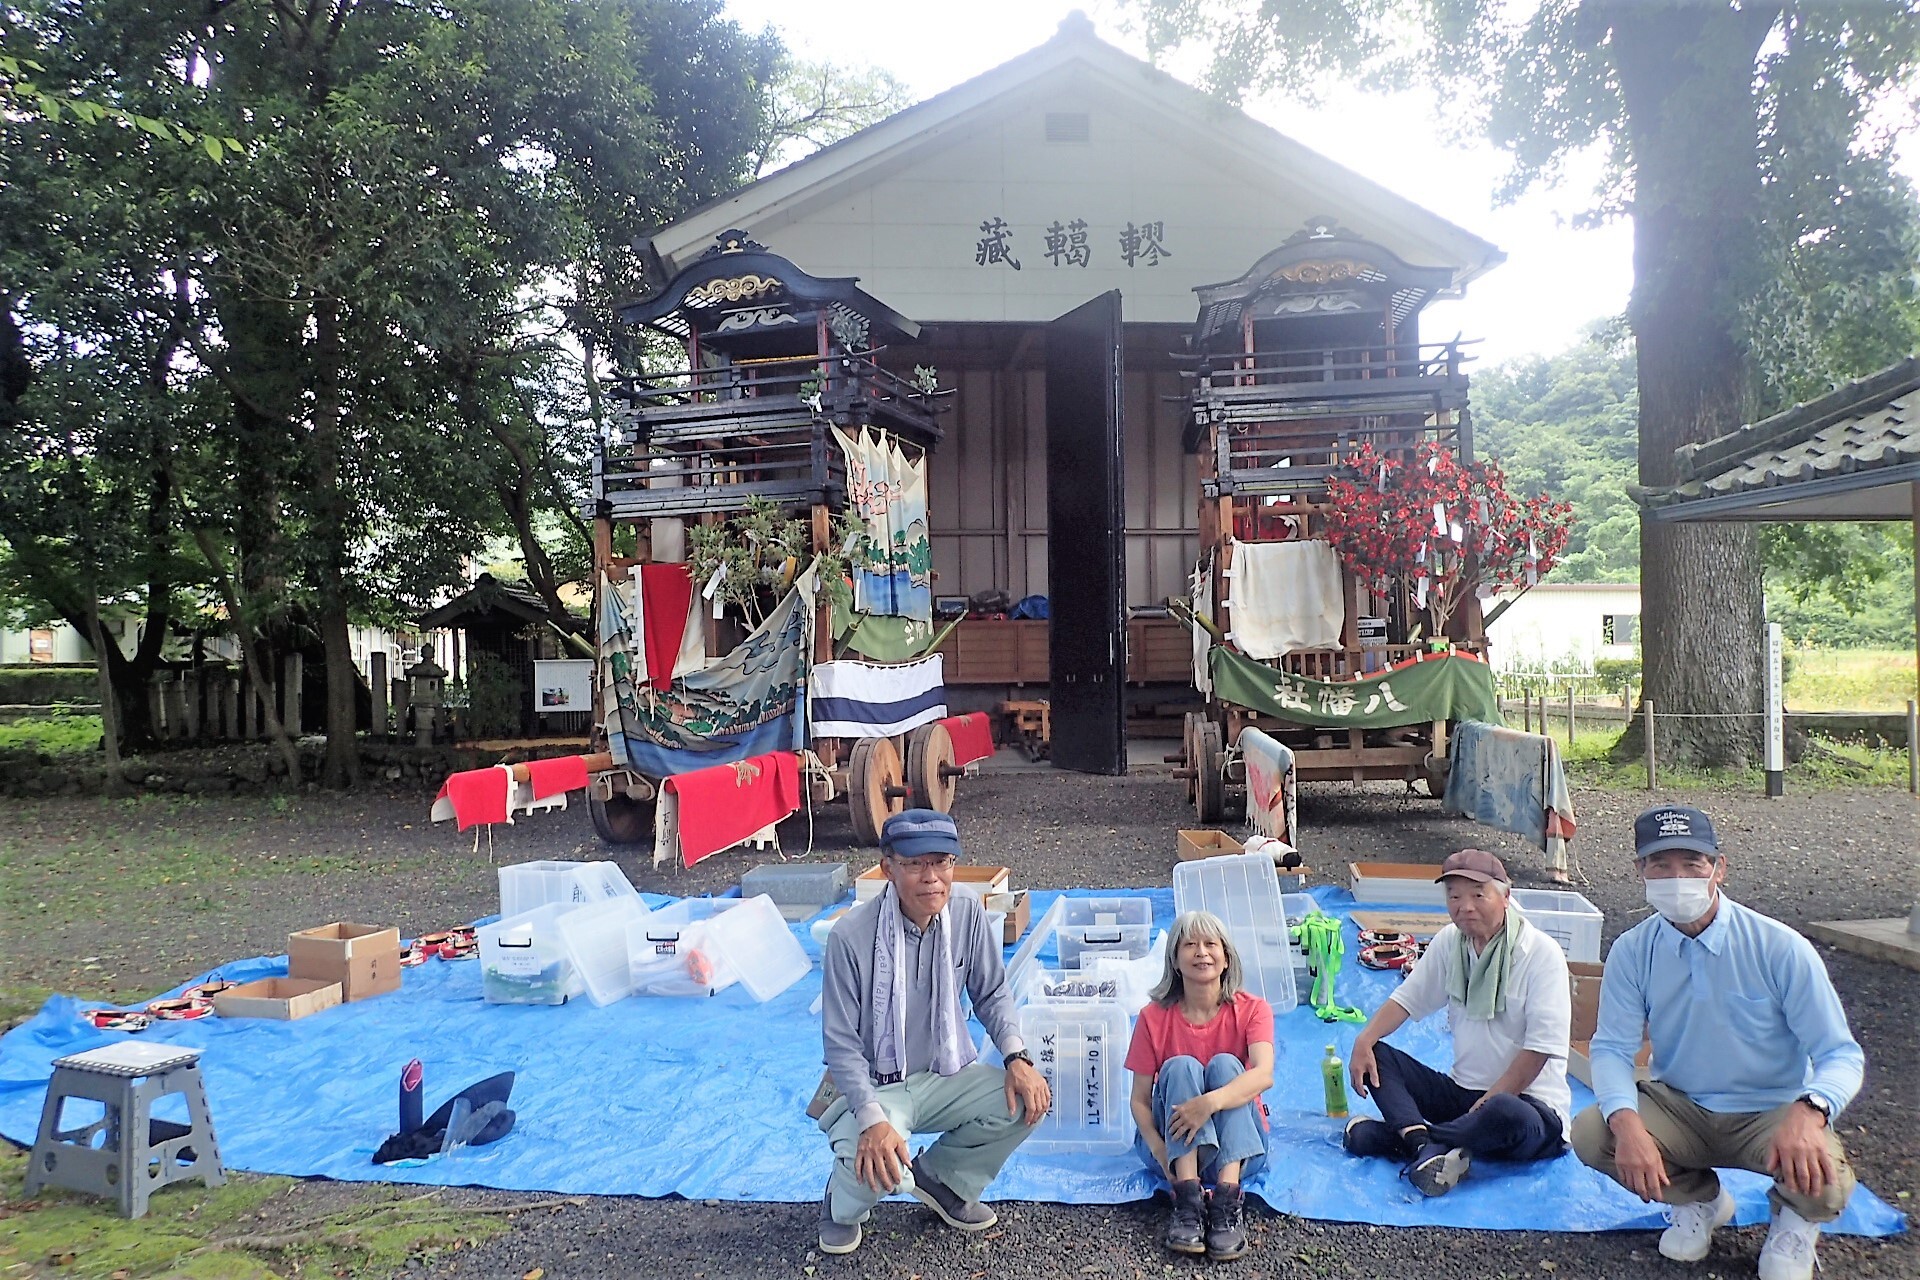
(56, 733)
(1851, 680)
(1828, 764)
(193, 1232)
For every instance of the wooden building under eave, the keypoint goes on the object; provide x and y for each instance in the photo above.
(1071, 174)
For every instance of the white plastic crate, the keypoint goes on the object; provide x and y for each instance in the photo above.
(524, 960)
(1566, 917)
(1409, 883)
(1244, 891)
(527, 885)
(595, 937)
(1103, 926)
(1081, 1049)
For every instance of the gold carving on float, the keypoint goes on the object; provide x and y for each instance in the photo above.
(738, 289)
(1325, 272)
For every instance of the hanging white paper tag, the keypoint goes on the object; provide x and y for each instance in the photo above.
(714, 580)
(1440, 518)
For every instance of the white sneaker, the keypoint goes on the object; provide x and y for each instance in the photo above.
(1692, 1230)
(1788, 1252)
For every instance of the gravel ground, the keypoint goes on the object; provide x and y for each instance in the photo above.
(1816, 855)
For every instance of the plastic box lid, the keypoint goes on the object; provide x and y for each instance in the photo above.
(526, 885)
(595, 937)
(1244, 891)
(758, 946)
(1081, 1049)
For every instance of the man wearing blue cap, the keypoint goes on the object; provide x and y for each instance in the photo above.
(1752, 1057)
(897, 1046)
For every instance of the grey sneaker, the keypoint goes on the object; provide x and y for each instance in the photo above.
(1226, 1224)
(961, 1215)
(836, 1237)
(1187, 1224)
(1436, 1170)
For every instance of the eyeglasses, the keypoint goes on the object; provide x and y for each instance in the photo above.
(933, 864)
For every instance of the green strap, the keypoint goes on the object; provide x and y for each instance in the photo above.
(1319, 934)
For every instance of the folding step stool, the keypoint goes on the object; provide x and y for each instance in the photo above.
(126, 1154)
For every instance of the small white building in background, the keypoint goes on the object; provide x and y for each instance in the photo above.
(1564, 626)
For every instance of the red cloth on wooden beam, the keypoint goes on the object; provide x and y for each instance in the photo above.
(972, 736)
(666, 598)
(721, 806)
(474, 796)
(552, 776)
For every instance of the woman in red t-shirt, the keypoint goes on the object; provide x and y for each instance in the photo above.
(1202, 1054)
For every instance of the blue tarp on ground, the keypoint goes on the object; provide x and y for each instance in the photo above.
(705, 1099)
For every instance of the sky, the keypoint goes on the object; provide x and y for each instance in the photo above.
(1556, 281)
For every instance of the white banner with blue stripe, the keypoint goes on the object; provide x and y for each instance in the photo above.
(868, 700)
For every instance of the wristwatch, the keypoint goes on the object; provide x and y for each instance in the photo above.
(1819, 1104)
(1018, 1055)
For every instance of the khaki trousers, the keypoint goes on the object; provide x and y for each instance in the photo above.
(1696, 1141)
(969, 1112)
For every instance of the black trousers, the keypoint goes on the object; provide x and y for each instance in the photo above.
(1507, 1127)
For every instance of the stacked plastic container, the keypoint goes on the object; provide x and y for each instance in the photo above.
(1566, 917)
(527, 885)
(1244, 891)
(1081, 1049)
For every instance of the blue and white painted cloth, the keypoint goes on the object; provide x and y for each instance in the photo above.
(1509, 780)
(871, 700)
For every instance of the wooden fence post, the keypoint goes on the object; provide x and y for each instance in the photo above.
(292, 695)
(229, 706)
(1913, 748)
(377, 684)
(1569, 714)
(1653, 757)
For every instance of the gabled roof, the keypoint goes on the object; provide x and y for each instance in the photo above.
(1074, 51)
(487, 600)
(1852, 454)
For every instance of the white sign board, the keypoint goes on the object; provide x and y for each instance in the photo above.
(1776, 735)
(562, 685)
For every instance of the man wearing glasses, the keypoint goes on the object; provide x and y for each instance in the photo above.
(897, 1046)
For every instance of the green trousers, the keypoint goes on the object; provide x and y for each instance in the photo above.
(1695, 1141)
(967, 1109)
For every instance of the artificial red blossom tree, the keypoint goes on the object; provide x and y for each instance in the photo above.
(1446, 528)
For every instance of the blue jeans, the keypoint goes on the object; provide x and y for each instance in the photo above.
(1227, 1136)
(1507, 1128)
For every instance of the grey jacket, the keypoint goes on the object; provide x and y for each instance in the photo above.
(850, 1036)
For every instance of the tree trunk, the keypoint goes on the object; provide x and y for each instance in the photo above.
(342, 766)
(109, 718)
(1686, 76)
(258, 665)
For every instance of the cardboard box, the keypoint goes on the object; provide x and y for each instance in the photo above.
(1409, 882)
(363, 958)
(1019, 911)
(1195, 845)
(1584, 977)
(1421, 924)
(282, 998)
(983, 881)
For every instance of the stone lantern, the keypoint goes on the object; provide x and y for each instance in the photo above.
(426, 690)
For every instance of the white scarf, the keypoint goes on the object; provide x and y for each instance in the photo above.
(952, 1047)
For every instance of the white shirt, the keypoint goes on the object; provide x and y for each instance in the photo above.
(1538, 1016)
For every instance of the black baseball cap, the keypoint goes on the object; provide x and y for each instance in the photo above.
(1674, 827)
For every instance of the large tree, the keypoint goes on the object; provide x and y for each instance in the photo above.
(1743, 139)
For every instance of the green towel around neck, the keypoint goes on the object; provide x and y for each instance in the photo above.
(1480, 982)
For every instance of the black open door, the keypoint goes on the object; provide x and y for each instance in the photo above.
(1086, 539)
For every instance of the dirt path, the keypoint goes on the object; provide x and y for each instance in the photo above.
(126, 898)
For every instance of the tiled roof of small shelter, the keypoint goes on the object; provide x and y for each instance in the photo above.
(1863, 426)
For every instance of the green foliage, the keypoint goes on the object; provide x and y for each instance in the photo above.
(814, 104)
(54, 734)
(1850, 679)
(763, 550)
(40, 686)
(494, 698)
(1618, 676)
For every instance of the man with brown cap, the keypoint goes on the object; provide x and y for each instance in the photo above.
(1504, 986)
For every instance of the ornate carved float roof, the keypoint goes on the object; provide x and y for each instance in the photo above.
(739, 285)
(1321, 269)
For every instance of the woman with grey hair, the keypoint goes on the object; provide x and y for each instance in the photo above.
(1202, 1054)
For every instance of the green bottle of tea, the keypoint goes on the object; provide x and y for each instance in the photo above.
(1333, 1074)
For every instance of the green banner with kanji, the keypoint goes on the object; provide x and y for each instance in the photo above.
(1442, 687)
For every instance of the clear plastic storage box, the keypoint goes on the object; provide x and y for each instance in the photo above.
(661, 949)
(1566, 917)
(1081, 1049)
(755, 944)
(595, 937)
(1298, 906)
(524, 959)
(1244, 891)
(527, 885)
(1103, 926)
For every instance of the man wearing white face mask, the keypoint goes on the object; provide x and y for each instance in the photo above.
(1752, 1057)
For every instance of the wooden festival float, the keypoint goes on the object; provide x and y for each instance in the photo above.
(1312, 402)
(774, 413)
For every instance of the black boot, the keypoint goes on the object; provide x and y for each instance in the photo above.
(1226, 1223)
(1187, 1225)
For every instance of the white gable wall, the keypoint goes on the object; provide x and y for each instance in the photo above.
(908, 225)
